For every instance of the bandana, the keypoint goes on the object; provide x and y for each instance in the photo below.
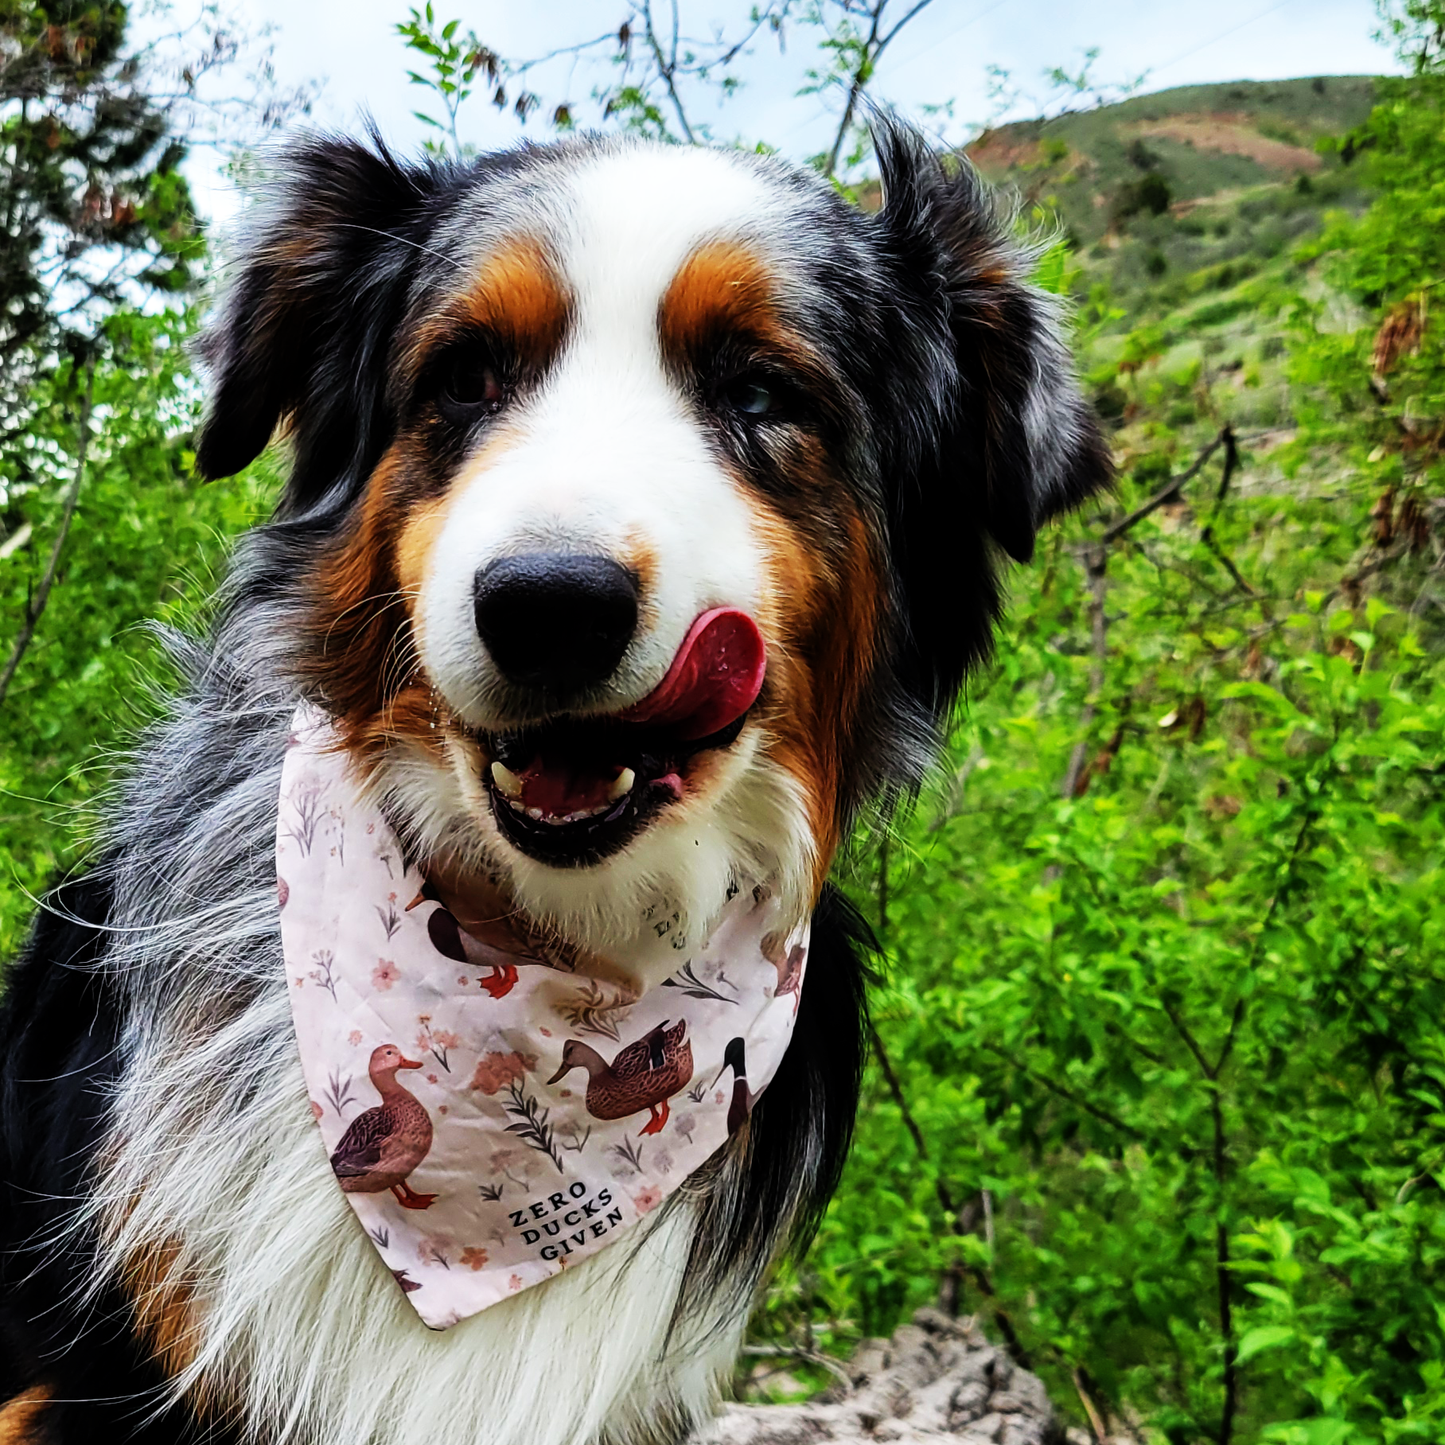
(497, 1106)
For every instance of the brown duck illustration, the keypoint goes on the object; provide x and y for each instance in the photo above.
(743, 1099)
(383, 1145)
(644, 1075)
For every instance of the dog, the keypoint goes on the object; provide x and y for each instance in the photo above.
(544, 411)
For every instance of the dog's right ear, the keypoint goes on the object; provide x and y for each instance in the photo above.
(304, 331)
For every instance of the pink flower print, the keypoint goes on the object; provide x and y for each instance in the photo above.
(647, 1199)
(515, 1282)
(720, 1097)
(441, 1108)
(496, 1070)
(436, 1042)
(299, 982)
(431, 1078)
(384, 974)
(354, 1037)
(461, 980)
(473, 1257)
(316, 1110)
(546, 1033)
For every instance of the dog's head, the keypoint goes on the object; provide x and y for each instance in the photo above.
(646, 501)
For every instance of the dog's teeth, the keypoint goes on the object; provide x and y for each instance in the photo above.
(535, 814)
(508, 783)
(622, 784)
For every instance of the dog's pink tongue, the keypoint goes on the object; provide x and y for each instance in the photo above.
(714, 679)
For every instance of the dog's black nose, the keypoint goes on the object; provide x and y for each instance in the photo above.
(556, 620)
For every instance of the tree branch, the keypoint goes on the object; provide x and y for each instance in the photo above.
(1096, 563)
(812, 1357)
(1207, 537)
(1225, 1283)
(1016, 1349)
(665, 68)
(873, 48)
(37, 604)
(1171, 491)
(1102, 1115)
(1096, 1423)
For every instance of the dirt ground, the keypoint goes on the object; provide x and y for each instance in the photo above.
(1231, 134)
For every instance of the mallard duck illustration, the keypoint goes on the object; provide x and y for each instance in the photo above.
(741, 1104)
(381, 1146)
(644, 1075)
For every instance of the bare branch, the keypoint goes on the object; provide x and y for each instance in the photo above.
(1096, 1423)
(37, 604)
(1167, 493)
(812, 1357)
(1208, 538)
(1096, 564)
(873, 48)
(667, 66)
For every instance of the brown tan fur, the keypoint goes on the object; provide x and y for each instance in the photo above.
(164, 1307)
(822, 613)
(362, 652)
(22, 1419)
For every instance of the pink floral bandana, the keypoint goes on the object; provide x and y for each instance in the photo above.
(495, 1106)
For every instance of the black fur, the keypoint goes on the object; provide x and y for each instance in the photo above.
(978, 476)
(800, 1129)
(59, 1020)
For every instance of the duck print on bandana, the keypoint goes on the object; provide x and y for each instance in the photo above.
(494, 1106)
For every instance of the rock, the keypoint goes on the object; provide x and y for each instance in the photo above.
(936, 1381)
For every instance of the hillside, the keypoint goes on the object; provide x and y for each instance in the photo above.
(1204, 175)
(1185, 210)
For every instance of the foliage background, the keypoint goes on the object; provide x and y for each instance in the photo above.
(1159, 1079)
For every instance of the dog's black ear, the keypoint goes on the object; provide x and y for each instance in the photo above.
(1016, 442)
(304, 329)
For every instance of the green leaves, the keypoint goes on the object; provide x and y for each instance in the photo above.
(1184, 1030)
(147, 541)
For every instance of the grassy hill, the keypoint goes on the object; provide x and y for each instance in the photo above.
(1159, 186)
(1186, 209)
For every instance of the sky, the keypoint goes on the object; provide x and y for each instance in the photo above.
(351, 48)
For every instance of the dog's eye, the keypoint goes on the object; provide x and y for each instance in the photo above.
(471, 383)
(750, 396)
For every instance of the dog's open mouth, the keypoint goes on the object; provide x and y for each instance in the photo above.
(572, 790)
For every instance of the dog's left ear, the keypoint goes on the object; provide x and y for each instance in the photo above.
(1016, 443)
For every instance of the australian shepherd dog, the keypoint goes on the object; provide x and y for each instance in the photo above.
(542, 411)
